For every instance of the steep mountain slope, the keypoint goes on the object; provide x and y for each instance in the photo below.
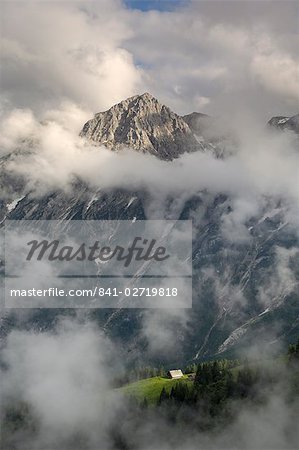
(232, 299)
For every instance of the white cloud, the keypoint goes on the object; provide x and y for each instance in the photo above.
(64, 377)
(278, 73)
(96, 54)
(281, 279)
(66, 50)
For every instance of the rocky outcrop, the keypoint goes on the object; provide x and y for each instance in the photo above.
(143, 124)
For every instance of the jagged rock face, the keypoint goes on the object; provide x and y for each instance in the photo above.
(285, 123)
(144, 124)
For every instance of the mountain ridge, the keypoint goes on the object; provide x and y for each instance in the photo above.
(144, 124)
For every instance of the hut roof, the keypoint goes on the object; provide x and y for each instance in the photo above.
(175, 373)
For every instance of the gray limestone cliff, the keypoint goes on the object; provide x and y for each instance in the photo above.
(143, 124)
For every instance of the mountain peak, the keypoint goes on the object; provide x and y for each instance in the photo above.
(140, 100)
(141, 123)
(147, 96)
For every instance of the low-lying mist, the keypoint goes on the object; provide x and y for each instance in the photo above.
(58, 393)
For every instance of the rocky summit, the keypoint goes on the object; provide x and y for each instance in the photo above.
(143, 124)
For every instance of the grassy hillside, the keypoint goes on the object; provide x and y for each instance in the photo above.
(151, 388)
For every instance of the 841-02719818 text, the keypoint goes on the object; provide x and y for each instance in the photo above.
(139, 292)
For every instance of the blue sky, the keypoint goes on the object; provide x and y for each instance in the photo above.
(160, 5)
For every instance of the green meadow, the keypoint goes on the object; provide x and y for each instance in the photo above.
(150, 388)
